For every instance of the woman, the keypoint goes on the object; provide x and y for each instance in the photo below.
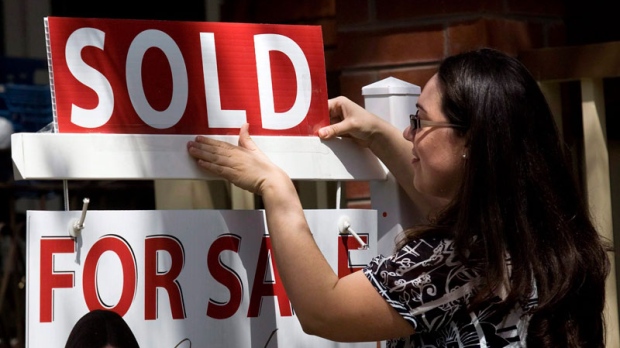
(509, 256)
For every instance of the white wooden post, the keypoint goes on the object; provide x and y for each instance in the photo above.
(393, 100)
(599, 188)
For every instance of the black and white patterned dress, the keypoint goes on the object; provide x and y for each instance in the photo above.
(430, 288)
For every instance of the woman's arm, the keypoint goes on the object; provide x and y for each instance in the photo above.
(382, 138)
(346, 309)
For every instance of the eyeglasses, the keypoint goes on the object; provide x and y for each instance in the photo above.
(416, 123)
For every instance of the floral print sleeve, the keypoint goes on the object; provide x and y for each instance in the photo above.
(430, 288)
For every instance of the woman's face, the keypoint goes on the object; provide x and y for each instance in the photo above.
(438, 161)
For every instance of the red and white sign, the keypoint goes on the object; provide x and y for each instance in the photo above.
(173, 77)
(204, 278)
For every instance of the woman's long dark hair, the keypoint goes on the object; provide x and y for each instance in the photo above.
(519, 195)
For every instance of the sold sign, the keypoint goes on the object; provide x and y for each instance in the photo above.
(172, 77)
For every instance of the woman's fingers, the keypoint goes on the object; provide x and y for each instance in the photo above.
(332, 131)
(207, 155)
(245, 140)
(348, 119)
(336, 117)
(245, 165)
(203, 148)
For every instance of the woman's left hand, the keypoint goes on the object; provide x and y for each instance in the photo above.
(245, 165)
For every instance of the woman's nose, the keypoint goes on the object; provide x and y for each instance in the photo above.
(408, 133)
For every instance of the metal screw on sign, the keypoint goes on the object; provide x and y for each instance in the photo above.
(78, 225)
(344, 227)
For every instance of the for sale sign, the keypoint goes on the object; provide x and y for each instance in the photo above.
(203, 278)
(171, 77)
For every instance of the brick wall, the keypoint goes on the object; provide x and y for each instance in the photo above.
(369, 40)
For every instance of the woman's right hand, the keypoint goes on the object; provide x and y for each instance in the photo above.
(350, 119)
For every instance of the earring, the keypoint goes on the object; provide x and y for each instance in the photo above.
(464, 156)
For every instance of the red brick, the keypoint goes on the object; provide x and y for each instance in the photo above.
(286, 11)
(537, 7)
(352, 11)
(363, 49)
(514, 36)
(556, 34)
(389, 10)
(508, 35)
(328, 27)
(351, 84)
(329, 60)
(418, 76)
(355, 190)
(277, 11)
(365, 204)
(466, 36)
(236, 11)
